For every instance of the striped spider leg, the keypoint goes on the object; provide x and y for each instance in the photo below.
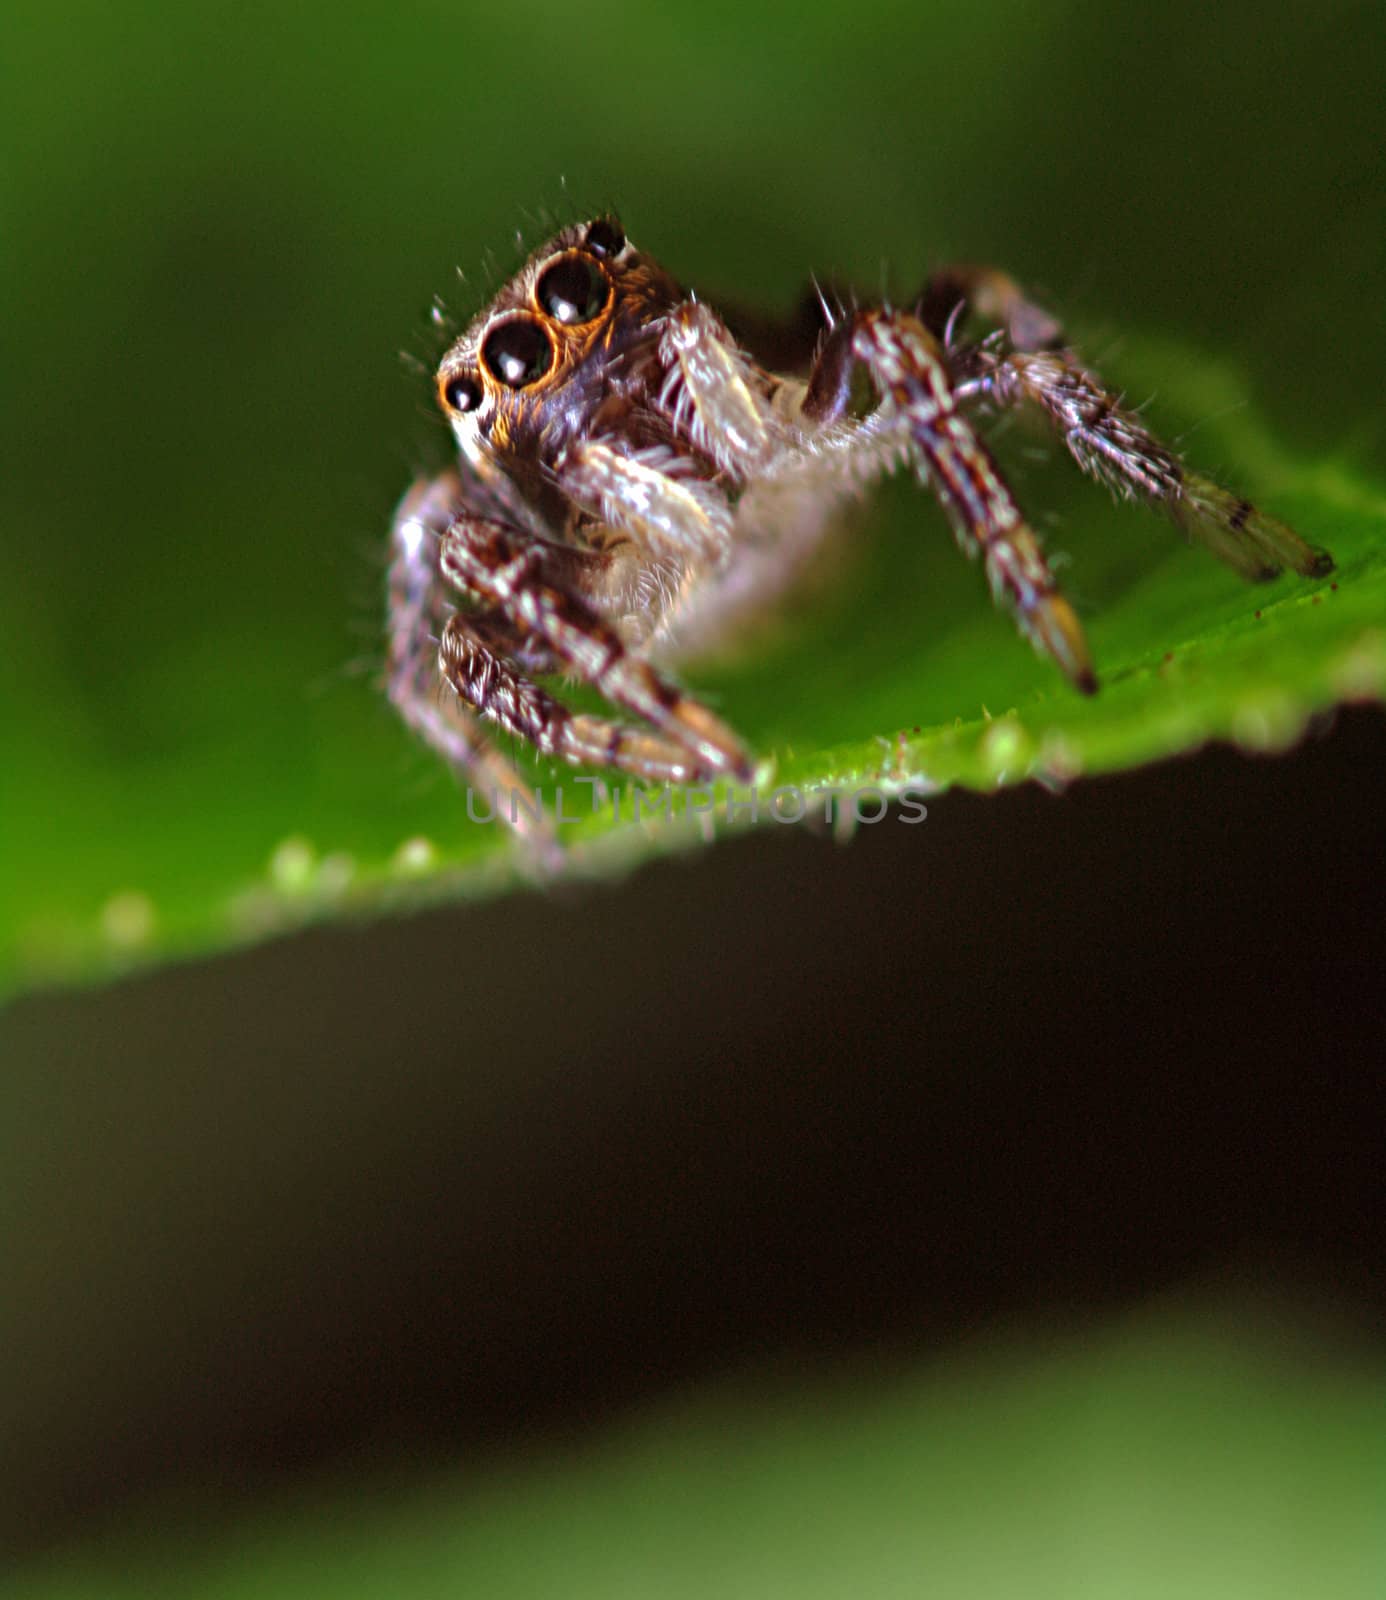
(909, 369)
(632, 484)
(933, 379)
(1030, 365)
(527, 618)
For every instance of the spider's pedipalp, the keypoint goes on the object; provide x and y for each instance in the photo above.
(669, 514)
(711, 392)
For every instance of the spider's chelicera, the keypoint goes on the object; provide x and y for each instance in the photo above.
(636, 473)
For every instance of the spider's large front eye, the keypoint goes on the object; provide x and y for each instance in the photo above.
(573, 290)
(462, 393)
(518, 352)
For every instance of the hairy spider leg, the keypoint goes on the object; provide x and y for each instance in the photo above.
(503, 567)
(477, 658)
(908, 366)
(485, 660)
(1107, 440)
(419, 609)
(1110, 443)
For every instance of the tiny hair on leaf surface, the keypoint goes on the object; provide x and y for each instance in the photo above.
(303, 801)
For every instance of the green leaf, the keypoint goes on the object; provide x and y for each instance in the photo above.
(222, 223)
(299, 800)
(206, 429)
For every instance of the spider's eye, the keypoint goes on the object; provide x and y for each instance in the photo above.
(604, 237)
(518, 352)
(573, 290)
(462, 393)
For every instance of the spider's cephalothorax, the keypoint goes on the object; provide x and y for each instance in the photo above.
(634, 477)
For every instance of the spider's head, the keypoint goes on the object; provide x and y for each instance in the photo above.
(532, 369)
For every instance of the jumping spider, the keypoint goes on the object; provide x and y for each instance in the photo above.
(634, 470)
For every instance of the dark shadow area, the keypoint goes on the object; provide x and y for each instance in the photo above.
(460, 1181)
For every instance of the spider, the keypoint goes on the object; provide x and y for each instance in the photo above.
(636, 473)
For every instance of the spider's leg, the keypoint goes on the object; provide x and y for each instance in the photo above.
(1113, 445)
(418, 611)
(908, 366)
(478, 659)
(505, 569)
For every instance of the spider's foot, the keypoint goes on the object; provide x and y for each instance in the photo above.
(1053, 626)
(1256, 545)
(541, 858)
(651, 757)
(715, 745)
(539, 854)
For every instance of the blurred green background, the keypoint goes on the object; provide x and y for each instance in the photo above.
(377, 1213)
